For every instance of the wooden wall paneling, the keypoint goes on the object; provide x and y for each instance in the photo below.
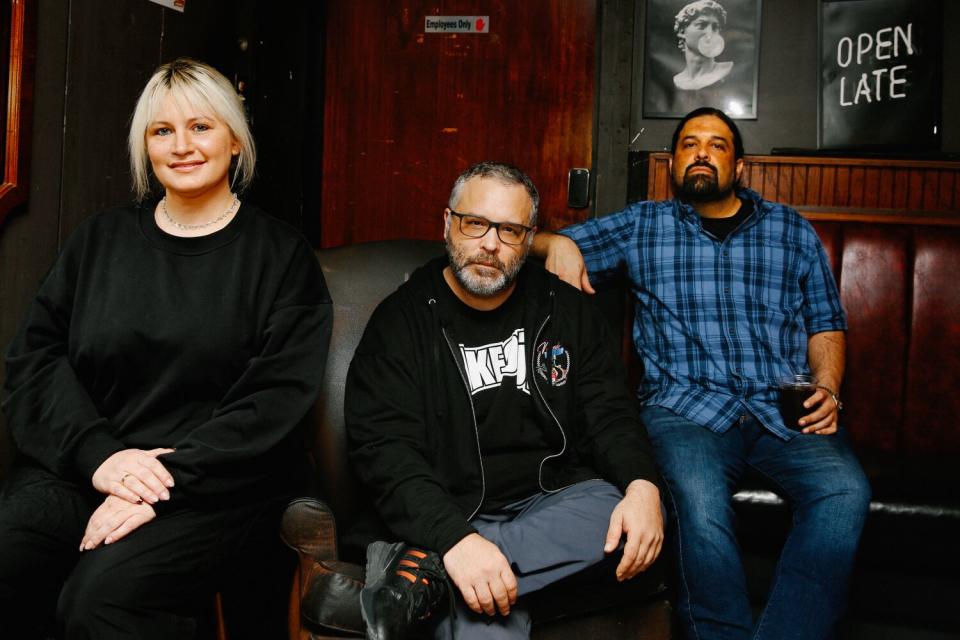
(770, 187)
(784, 184)
(829, 185)
(915, 189)
(29, 238)
(931, 190)
(884, 187)
(113, 47)
(753, 174)
(360, 102)
(407, 111)
(659, 177)
(947, 191)
(813, 184)
(881, 216)
(7, 18)
(841, 188)
(798, 182)
(18, 39)
(562, 84)
(871, 187)
(901, 188)
(956, 193)
(856, 187)
(888, 189)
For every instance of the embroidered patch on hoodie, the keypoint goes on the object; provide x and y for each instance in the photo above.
(553, 363)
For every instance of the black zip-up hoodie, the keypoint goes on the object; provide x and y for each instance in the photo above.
(411, 430)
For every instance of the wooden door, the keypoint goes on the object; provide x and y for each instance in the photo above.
(406, 111)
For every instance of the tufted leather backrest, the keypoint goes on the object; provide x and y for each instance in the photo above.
(900, 286)
(359, 277)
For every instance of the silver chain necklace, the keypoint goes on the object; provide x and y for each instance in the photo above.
(191, 227)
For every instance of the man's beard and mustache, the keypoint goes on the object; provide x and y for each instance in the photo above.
(701, 187)
(484, 286)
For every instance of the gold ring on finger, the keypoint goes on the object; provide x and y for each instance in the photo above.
(123, 480)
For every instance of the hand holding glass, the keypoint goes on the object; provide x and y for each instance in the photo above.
(794, 391)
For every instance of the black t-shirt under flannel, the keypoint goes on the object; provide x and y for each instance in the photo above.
(722, 227)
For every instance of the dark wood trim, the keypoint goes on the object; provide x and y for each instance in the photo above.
(17, 113)
(881, 216)
(858, 162)
(867, 189)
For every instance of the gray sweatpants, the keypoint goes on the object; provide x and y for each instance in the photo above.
(545, 537)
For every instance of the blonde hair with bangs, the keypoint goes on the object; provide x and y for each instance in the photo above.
(206, 89)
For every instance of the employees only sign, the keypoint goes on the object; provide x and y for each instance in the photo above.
(456, 24)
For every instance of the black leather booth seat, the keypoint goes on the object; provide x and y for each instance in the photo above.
(900, 286)
(359, 276)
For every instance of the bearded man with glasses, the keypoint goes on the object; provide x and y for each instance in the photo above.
(490, 419)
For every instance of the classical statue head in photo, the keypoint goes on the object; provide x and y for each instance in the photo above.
(699, 27)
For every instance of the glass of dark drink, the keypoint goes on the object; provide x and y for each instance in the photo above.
(794, 391)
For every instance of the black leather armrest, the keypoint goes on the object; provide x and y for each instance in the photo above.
(309, 528)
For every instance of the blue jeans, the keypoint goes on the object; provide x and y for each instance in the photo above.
(828, 496)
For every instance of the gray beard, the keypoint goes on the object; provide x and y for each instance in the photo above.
(478, 285)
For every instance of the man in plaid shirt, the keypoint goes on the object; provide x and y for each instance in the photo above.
(733, 293)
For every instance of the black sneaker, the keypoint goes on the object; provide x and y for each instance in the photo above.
(404, 585)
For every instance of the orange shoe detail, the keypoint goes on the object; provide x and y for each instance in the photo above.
(406, 574)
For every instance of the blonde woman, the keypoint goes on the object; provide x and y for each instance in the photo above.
(154, 387)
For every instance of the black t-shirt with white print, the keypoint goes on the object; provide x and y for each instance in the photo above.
(495, 354)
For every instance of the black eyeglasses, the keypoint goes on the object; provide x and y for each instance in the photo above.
(477, 226)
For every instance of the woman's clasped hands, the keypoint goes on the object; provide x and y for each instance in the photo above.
(134, 475)
(133, 480)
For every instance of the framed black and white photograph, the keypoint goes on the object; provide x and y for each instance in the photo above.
(880, 75)
(701, 53)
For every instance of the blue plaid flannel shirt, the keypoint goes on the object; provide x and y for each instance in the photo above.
(717, 323)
